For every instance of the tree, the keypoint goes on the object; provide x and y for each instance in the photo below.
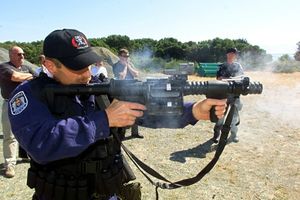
(117, 42)
(285, 58)
(32, 50)
(286, 64)
(168, 48)
(142, 44)
(297, 54)
(147, 50)
(98, 42)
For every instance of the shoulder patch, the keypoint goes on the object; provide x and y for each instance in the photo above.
(18, 103)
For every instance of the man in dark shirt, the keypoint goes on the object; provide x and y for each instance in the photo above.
(12, 74)
(124, 69)
(227, 70)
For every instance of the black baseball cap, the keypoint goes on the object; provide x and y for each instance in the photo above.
(71, 48)
(232, 50)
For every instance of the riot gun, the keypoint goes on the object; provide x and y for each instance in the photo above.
(163, 97)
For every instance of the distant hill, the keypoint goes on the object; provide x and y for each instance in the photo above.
(3, 55)
(108, 57)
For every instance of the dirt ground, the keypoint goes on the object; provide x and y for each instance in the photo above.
(264, 165)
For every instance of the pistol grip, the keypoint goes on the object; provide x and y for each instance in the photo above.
(212, 115)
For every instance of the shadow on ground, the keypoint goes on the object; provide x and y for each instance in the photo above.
(199, 151)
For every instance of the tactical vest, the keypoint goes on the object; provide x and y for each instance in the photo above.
(227, 70)
(97, 173)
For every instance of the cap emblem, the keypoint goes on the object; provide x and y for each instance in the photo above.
(79, 42)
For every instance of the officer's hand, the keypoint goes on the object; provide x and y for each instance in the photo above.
(122, 114)
(201, 109)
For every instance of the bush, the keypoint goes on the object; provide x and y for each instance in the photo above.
(286, 64)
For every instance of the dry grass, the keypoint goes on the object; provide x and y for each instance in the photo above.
(264, 165)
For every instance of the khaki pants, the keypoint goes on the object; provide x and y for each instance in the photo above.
(10, 144)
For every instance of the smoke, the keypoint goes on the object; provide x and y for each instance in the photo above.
(281, 94)
(280, 97)
(145, 53)
(144, 59)
(254, 61)
(271, 63)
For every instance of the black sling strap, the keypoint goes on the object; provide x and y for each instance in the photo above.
(167, 184)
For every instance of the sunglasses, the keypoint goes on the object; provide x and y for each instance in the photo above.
(21, 54)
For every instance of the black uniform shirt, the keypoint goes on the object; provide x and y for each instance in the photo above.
(227, 70)
(6, 71)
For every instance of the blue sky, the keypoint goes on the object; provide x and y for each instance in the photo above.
(274, 25)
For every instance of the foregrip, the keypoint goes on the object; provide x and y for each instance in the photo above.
(222, 90)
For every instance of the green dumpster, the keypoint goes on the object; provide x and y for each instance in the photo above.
(207, 69)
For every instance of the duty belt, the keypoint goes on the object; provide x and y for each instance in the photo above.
(59, 186)
(80, 177)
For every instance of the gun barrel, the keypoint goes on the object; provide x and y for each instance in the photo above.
(255, 88)
(220, 89)
(157, 90)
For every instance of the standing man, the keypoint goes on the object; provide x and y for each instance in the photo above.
(72, 139)
(12, 74)
(124, 69)
(230, 69)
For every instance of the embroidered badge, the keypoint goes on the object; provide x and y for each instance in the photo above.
(18, 103)
(79, 42)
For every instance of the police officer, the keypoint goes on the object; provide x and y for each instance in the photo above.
(72, 139)
(230, 69)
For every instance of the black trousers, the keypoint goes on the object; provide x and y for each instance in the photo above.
(22, 153)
